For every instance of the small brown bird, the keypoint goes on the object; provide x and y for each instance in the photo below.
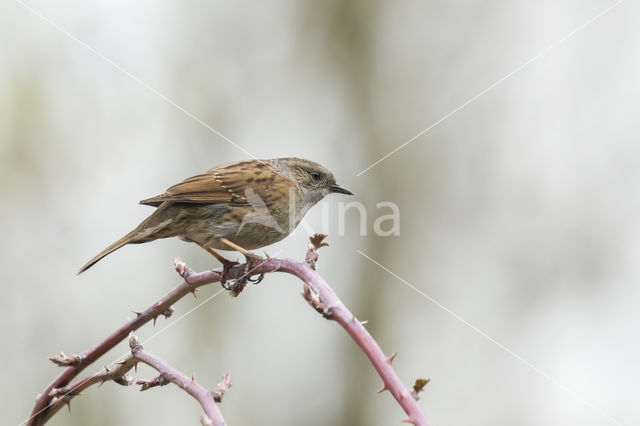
(251, 203)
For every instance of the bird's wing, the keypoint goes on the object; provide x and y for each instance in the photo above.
(223, 185)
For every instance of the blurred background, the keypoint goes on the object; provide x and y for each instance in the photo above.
(518, 213)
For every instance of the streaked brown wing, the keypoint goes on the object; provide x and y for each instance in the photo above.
(222, 185)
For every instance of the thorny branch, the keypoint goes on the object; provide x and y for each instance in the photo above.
(119, 374)
(315, 290)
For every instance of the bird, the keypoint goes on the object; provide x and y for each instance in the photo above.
(246, 204)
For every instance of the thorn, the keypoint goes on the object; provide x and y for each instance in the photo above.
(137, 313)
(267, 255)
(408, 421)
(193, 377)
(364, 322)
(155, 318)
(194, 292)
(383, 388)
(106, 369)
(68, 402)
(391, 358)
(257, 280)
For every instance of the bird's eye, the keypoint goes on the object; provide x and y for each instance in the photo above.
(315, 175)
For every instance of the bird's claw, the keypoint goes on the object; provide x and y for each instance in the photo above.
(257, 280)
(253, 262)
(240, 282)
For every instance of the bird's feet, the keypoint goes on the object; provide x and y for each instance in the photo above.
(226, 264)
(253, 261)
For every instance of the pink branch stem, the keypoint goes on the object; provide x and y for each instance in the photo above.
(189, 385)
(45, 406)
(336, 310)
(63, 396)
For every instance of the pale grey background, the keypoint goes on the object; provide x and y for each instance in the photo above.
(519, 212)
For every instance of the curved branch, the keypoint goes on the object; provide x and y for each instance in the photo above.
(63, 396)
(317, 292)
(325, 300)
(44, 407)
(169, 374)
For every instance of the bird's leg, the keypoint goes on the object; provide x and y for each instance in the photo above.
(251, 259)
(226, 264)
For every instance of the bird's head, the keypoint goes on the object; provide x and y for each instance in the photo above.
(313, 180)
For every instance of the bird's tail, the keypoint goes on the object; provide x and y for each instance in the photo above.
(129, 238)
(150, 229)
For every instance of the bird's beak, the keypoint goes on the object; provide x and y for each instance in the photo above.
(340, 189)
